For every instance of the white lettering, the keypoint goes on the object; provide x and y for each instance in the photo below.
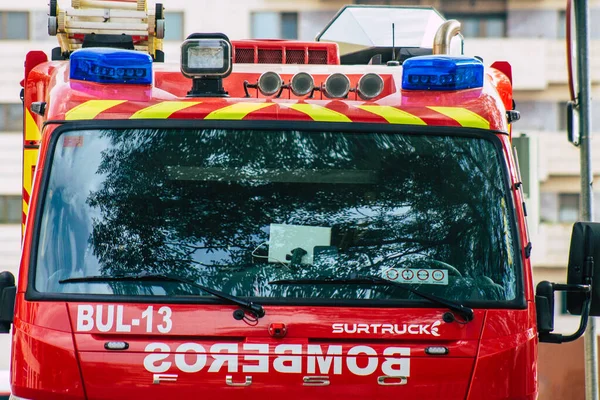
(434, 328)
(413, 329)
(147, 315)
(352, 362)
(400, 332)
(121, 327)
(180, 357)
(105, 327)
(286, 358)
(403, 364)
(262, 361)
(167, 324)
(387, 328)
(158, 378)
(288, 364)
(324, 362)
(85, 318)
(151, 359)
(221, 359)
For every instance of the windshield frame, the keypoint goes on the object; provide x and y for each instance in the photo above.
(519, 302)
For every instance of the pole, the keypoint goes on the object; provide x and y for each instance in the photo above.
(584, 99)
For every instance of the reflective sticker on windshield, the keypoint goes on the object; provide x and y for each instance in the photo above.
(417, 275)
(73, 141)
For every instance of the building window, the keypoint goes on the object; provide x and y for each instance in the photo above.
(174, 26)
(14, 25)
(11, 117)
(481, 25)
(274, 25)
(289, 25)
(559, 207)
(561, 122)
(10, 209)
(568, 207)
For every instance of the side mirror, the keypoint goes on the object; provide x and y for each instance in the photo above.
(584, 264)
(583, 292)
(8, 293)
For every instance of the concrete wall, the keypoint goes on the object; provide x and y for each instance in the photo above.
(527, 24)
(10, 165)
(561, 371)
(537, 116)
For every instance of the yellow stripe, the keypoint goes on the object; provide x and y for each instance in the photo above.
(32, 132)
(393, 115)
(163, 110)
(90, 109)
(25, 208)
(464, 117)
(30, 157)
(237, 111)
(320, 114)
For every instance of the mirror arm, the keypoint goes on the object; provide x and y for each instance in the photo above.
(585, 312)
(589, 270)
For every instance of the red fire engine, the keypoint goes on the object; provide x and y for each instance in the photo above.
(332, 219)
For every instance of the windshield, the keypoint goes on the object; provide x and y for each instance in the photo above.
(236, 209)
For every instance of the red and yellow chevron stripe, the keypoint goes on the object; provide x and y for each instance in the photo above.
(266, 110)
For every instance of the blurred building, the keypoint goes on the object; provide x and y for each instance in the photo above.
(528, 33)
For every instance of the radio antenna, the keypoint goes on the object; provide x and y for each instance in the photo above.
(393, 42)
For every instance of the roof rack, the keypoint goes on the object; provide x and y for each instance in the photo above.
(76, 26)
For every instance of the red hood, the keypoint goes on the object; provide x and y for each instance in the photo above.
(184, 350)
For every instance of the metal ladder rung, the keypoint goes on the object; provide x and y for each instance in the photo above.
(102, 13)
(143, 48)
(108, 4)
(70, 25)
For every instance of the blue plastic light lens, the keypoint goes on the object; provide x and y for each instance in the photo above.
(442, 73)
(104, 65)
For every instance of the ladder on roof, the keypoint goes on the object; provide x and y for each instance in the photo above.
(107, 17)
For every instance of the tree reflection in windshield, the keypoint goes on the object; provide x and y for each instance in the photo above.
(199, 204)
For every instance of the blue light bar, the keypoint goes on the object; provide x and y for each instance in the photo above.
(440, 72)
(106, 65)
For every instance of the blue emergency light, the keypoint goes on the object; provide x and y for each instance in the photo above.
(440, 72)
(107, 65)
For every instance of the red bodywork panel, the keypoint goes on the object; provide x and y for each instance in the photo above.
(497, 348)
(59, 347)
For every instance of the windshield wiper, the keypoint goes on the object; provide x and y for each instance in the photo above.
(254, 308)
(465, 312)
